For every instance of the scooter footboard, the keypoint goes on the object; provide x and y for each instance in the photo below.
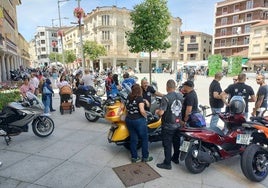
(118, 132)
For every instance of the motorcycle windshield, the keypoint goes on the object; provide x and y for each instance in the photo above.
(34, 100)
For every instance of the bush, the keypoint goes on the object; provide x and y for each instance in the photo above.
(7, 96)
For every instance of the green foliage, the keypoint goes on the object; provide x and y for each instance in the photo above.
(150, 21)
(214, 64)
(93, 50)
(69, 56)
(8, 96)
(234, 65)
(55, 57)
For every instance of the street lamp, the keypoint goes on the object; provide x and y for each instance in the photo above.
(52, 20)
(79, 13)
(62, 48)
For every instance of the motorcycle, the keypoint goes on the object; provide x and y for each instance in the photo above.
(100, 86)
(93, 105)
(17, 116)
(254, 160)
(118, 132)
(202, 146)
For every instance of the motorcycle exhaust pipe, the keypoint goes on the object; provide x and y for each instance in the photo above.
(203, 156)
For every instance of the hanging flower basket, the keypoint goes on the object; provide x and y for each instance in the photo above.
(79, 13)
(60, 33)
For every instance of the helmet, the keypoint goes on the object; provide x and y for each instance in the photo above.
(237, 105)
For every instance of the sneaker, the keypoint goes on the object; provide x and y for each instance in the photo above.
(53, 110)
(136, 160)
(176, 161)
(163, 166)
(2, 132)
(148, 159)
(46, 114)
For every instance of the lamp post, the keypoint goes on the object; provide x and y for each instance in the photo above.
(62, 48)
(79, 13)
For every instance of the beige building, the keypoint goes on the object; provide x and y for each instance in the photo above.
(258, 47)
(13, 46)
(233, 20)
(195, 46)
(107, 26)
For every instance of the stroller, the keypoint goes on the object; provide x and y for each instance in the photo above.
(66, 99)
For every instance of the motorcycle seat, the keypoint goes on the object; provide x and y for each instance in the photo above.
(217, 130)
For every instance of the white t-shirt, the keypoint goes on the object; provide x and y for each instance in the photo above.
(88, 79)
(34, 81)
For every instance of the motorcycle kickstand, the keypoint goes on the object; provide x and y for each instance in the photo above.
(7, 139)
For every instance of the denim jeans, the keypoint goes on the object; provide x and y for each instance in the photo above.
(46, 102)
(138, 130)
(214, 118)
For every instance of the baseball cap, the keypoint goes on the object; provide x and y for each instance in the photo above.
(188, 83)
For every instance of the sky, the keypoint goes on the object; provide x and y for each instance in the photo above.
(196, 15)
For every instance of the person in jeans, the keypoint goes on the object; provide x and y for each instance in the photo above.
(46, 96)
(170, 135)
(137, 124)
(215, 99)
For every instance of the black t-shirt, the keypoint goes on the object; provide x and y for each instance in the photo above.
(215, 87)
(190, 99)
(240, 89)
(166, 105)
(147, 95)
(133, 110)
(262, 91)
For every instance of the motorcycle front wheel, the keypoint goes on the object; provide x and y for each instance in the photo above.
(254, 163)
(43, 126)
(192, 163)
(91, 117)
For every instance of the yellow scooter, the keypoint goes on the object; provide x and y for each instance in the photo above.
(118, 132)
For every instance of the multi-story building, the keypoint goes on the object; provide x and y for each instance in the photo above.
(195, 46)
(258, 46)
(13, 47)
(233, 20)
(44, 38)
(108, 25)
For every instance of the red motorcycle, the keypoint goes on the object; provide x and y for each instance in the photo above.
(202, 146)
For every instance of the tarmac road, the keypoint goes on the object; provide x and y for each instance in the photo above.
(78, 155)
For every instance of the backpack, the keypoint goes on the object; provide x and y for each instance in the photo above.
(174, 112)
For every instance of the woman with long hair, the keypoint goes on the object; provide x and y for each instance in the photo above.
(137, 124)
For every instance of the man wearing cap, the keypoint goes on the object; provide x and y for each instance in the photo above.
(215, 99)
(190, 103)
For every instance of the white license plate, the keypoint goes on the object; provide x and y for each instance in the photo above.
(185, 146)
(243, 139)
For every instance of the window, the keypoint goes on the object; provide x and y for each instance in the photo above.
(43, 49)
(256, 49)
(192, 47)
(235, 19)
(249, 4)
(236, 8)
(234, 41)
(247, 28)
(105, 35)
(234, 30)
(43, 42)
(105, 20)
(192, 56)
(192, 38)
(182, 39)
(107, 47)
(223, 31)
(266, 47)
(246, 40)
(54, 34)
(42, 33)
(224, 21)
(257, 33)
(181, 57)
(223, 43)
(224, 10)
(248, 17)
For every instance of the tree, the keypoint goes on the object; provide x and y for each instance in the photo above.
(69, 56)
(214, 64)
(55, 57)
(93, 50)
(150, 28)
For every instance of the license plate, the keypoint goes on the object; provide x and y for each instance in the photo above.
(243, 139)
(185, 146)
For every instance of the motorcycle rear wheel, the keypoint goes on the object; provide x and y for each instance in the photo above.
(91, 118)
(254, 163)
(43, 126)
(192, 164)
